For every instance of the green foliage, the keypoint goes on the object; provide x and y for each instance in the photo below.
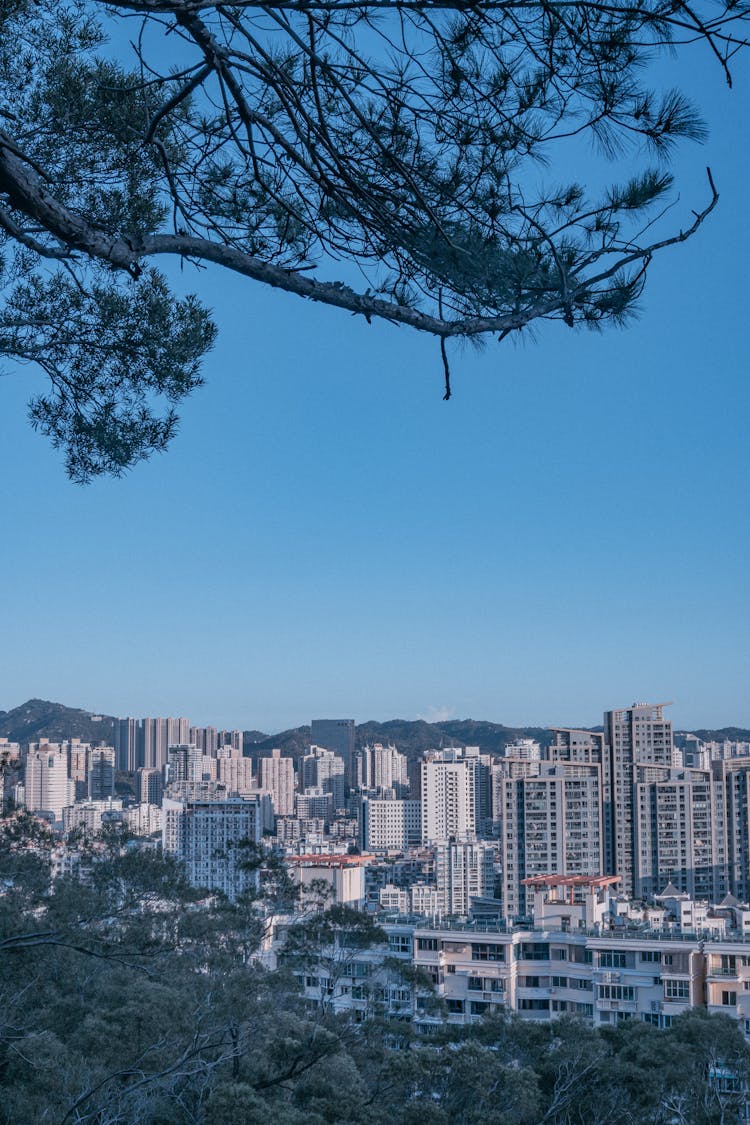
(126, 997)
(109, 352)
(407, 140)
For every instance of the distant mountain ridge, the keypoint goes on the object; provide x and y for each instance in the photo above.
(40, 719)
(412, 737)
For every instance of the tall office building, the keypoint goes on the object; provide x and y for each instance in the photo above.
(206, 836)
(48, 786)
(277, 777)
(337, 735)
(637, 735)
(549, 824)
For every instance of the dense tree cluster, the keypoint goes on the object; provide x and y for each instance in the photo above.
(126, 996)
(393, 159)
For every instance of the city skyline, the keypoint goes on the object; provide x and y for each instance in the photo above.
(173, 716)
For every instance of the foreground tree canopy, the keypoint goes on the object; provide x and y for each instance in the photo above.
(302, 143)
(127, 996)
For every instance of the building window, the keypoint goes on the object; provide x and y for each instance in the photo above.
(616, 992)
(427, 943)
(399, 943)
(608, 959)
(728, 999)
(677, 989)
(486, 952)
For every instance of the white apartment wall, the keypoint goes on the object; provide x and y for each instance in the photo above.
(390, 824)
(448, 801)
(48, 786)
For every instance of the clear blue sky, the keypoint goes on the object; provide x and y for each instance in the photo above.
(327, 537)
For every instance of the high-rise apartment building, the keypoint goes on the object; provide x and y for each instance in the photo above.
(10, 753)
(527, 749)
(463, 871)
(637, 735)
(159, 735)
(674, 832)
(456, 794)
(277, 777)
(234, 770)
(78, 763)
(146, 742)
(233, 738)
(570, 745)
(389, 824)
(547, 824)
(731, 781)
(382, 767)
(207, 738)
(188, 763)
(127, 745)
(314, 803)
(324, 769)
(207, 837)
(149, 786)
(48, 786)
(100, 773)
